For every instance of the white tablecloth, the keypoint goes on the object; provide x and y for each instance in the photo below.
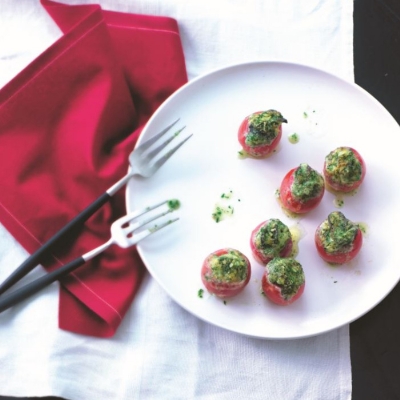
(161, 351)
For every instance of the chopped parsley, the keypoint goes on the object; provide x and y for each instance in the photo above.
(174, 204)
(294, 138)
(226, 195)
(263, 127)
(339, 203)
(307, 183)
(200, 293)
(288, 274)
(220, 212)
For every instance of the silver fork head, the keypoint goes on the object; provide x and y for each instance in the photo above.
(143, 159)
(127, 231)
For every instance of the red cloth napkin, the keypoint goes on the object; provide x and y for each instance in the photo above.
(67, 125)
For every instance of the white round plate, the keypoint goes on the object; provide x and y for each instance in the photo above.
(326, 112)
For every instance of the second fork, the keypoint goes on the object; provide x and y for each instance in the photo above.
(143, 161)
(124, 232)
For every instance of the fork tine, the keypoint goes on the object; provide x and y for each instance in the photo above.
(148, 143)
(160, 162)
(150, 231)
(129, 217)
(163, 145)
(137, 225)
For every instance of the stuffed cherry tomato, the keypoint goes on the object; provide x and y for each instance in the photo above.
(301, 189)
(270, 239)
(283, 281)
(226, 272)
(260, 132)
(344, 169)
(338, 240)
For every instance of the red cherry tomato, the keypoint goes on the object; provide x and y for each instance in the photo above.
(332, 247)
(259, 150)
(290, 274)
(279, 243)
(296, 204)
(226, 272)
(339, 169)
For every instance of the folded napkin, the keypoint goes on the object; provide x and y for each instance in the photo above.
(68, 122)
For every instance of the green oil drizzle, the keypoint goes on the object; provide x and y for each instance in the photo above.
(294, 138)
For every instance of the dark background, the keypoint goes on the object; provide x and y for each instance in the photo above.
(375, 338)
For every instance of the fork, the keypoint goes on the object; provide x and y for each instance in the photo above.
(124, 232)
(143, 161)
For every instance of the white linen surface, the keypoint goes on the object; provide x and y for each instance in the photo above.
(161, 351)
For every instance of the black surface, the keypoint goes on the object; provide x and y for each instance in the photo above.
(377, 50)
(375, 338)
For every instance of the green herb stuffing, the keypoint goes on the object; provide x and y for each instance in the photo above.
(342, 166)
(263, 127)
(230, 267)
(173, 204)
(337, 233)
(272, 238)
(288, 274)
(307, 183)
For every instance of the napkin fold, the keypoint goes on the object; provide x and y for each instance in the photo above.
(68, 122)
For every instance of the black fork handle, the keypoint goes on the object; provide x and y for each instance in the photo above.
(34, 259)
(11, 299)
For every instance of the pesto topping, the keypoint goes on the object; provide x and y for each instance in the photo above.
(342, 166)
(337, 233)
(307, 183)
(272, 238)
(263, 127)
(288, 274)
(230, 267)
(174, 204)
